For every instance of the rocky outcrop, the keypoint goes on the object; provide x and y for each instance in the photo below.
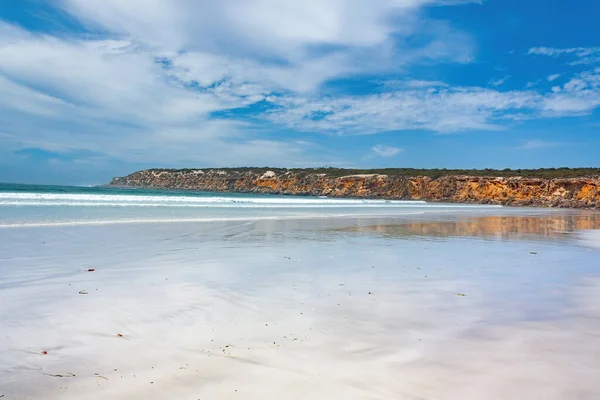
(517, 191)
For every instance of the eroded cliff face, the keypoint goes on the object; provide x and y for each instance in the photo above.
(572, 192)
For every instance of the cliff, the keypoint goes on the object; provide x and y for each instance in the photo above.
(583, 192)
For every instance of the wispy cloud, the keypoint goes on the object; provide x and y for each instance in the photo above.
(411, 84)
(553, 51)
(208, 83)
(499, 81)
(529, 85)
(286, 44)
(553, 77)
(444, 110)
(584, 55)
(537, 144)
(386, 151)
(154, 86)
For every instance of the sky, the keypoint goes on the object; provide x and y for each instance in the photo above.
(91, 89)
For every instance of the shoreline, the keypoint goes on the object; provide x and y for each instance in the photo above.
(349, 197)
(580, 193)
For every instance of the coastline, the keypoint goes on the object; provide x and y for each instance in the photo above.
(484, 202)
(582, 192)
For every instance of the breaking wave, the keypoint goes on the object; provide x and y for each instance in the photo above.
(112, 200)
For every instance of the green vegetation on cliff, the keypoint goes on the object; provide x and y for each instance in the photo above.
(546, 173)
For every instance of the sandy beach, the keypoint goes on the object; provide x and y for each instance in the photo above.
(352, 308)
(299, 200)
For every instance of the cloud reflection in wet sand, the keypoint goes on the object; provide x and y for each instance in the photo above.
(279, 310)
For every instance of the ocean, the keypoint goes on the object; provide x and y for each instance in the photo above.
(38, 205)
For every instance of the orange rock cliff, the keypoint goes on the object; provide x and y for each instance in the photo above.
(518, 191)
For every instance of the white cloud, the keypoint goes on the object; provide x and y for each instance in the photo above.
(411, 84)
(578, 96)
(99, 80)
(529, 85)
(585, 55)
(145, 81)
(149, 79)
(553, 77)
(499, 81)
(16, 97)
(537, 144)
(440, 110)
(293, 45)
(438, 107)
(267, 26)
(109, 96)
(386, 151)
(71, 96)
(553, 51)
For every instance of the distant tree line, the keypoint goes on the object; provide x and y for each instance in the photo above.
(562, 172)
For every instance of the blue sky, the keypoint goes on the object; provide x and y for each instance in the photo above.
(91, 89)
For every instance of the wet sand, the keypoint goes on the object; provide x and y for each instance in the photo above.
(447, 308)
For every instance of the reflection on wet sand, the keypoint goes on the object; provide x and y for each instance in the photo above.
(503, 227)
(301, 310)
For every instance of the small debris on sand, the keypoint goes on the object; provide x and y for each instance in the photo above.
(119, 335)
(67, 375)
(461, 294)
(90, 270)
(533, 252)
(83, 292)
(44, 352)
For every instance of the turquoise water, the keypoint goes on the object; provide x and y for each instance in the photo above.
(26, 205)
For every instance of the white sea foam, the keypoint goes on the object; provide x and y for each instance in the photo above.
(91, 200)
(142, 221)
(85, 222)
(21, 209)
(64, 199)
(235, 204)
